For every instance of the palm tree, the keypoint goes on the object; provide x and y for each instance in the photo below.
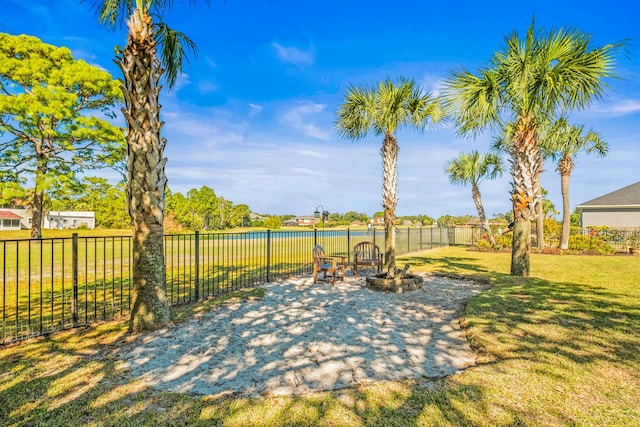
(473, 168)
(564, 142)
(527, 82)
(502, 144)
(383, 110)
(146, 178)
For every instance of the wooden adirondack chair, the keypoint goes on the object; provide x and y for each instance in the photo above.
(333, 266)
(366, 253)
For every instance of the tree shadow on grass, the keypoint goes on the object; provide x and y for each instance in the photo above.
(582, 323)
(450, 265)
(532, 325)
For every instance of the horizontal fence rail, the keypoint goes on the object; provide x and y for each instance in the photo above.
(60, 283)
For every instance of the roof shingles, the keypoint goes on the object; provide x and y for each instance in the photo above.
(9, 215)
(629, 195)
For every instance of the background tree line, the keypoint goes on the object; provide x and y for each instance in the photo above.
(198, 209)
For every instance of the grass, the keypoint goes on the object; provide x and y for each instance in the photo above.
(559, 348)
(61, 234)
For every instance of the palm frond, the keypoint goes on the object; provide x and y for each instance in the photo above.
(473, 168)
(473, 101)
(384, 108)
(596, 145)
(356, 113)
(113, 12)
(537, 77)
(562, 139)
(174, 49)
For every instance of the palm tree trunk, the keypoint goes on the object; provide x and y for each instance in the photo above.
(539, 215)
(389, 200)
(477, 198)
(565, 166)
(525, 163)
(146, 179)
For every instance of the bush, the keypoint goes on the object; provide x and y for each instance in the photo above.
(552, 228)
(504, 240)
(589, 244)
(575, 230)
(273, 222)
(483, 244)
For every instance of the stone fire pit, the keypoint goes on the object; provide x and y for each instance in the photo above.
(408, 282)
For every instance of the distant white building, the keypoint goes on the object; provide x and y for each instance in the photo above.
(15, 219)
(9, 220)
(301, 220)
(69, 220)
(20, 219)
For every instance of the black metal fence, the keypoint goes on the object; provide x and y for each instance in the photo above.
(54, 284)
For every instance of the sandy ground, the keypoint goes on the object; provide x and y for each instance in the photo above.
(304, 337)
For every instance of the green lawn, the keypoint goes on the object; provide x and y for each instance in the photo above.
(559, 348)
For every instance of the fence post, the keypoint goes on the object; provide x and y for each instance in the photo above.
(348, 245)
(408, 238)
(197, 255)
(431, 237)
(420, 236)
(74, 272)
(315, 236)
(268, 255)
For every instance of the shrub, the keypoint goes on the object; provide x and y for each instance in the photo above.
(483, 244)
(273, 222)
(552, 228)
(504, 240)
(575, 230)
(589, 244)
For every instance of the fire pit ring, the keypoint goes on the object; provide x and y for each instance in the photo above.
(380, 282)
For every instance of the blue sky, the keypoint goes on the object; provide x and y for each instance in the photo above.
(252, 116)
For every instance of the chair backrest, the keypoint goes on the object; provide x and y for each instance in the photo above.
(367, 250)
(318, 252)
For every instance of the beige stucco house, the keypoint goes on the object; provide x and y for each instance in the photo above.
(618, 209)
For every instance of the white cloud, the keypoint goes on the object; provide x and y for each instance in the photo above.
(206, 86)
(210, 62)
(293, 55)
(255, 110)
(306, 171)
(311, 153)
(432, 84)
(187, 130)
(182, 81)
(618, 108)
(301, 118)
